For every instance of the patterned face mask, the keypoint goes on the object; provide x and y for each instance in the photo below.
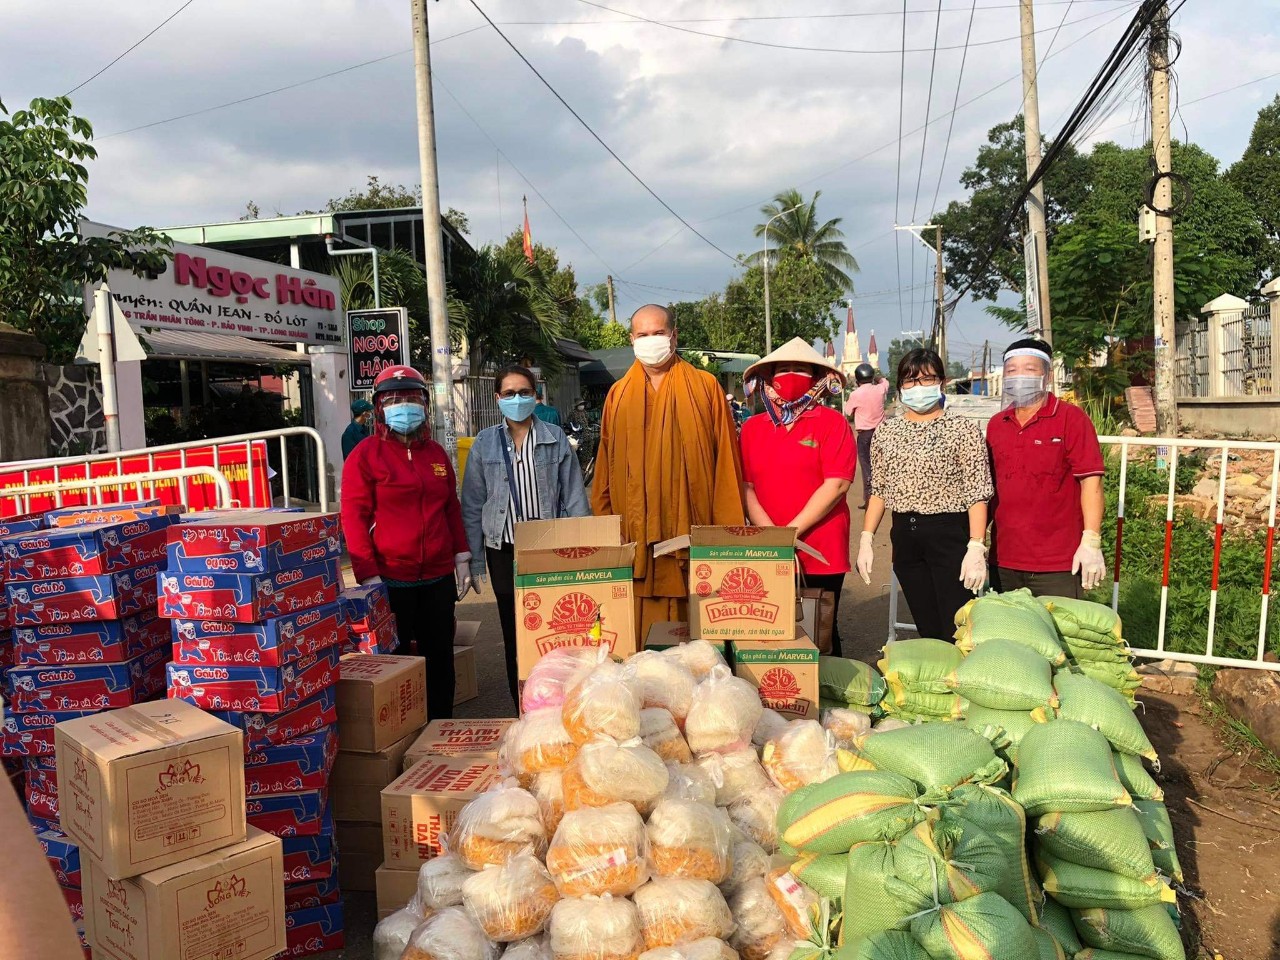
(783, 412)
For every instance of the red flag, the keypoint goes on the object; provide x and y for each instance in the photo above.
(528, 238)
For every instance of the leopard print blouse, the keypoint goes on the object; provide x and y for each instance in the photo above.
(936, 466)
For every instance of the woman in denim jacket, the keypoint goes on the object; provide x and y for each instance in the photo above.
(520, 469)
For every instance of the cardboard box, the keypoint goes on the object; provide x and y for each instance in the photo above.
(664, 636)
(314, 893)
(228, 903)
(466, 684)
(311, 858)
(786, 674)
(271, 643)
(63, 856)
(264, 729)
(108, 596)
(395, 889)
(247, 597)
(95, 686)
(263, 689)
(365, 606)
(361, 854)
(573, 577)
(381, 638)
(381, 699)
(254, 542)
(355, 786)
(297, 814)
(742, 581)
(458, 738)
(100, 641)
(25, 523)
(122, 512)
(314, 930)
(303, 763)
(149, 785)
(421, 806)
(78, 551)
(31, 734)
(42, 800)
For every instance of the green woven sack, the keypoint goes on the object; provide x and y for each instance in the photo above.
(919, 665)
(1047, 945)
(1120, 677)
(1085, 887)
(1090, 701)
(1154, 818)
(953, 857)
(994, 812)
(1133, 775)
(851, 682)
(1065, 766)
(1075, 617)
(1004, 675)
(924, 707)
(1013, 725)
(984, 927)
(1090, 648)
(1056, 919)
(1016, 616)
(830, 817)
(824, 875)
(1110, 840)
(1089, 953)
(876, 898)
(889, 945)
(1148, 932)
(937, 756)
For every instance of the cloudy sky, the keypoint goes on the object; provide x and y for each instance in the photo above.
(714, 125)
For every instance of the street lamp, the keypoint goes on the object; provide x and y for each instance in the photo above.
(768, 320)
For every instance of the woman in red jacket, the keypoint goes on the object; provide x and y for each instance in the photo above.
(403, 526)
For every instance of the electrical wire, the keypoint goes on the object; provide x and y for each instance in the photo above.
(600, 140)
(928, 105)
(946, 147)
(154, 30)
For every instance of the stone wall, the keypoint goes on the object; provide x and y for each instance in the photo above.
(23, 404)
(75, 410)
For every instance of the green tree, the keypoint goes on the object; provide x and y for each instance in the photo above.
(44, 262)
(801, 299)
(504, 310)
(801, 233)
(377, 195)
(1256, 175)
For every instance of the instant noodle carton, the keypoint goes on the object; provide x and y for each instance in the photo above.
(466, 683)
(31, 734)
(458, 738)
(96, 686)
(313, 930)
(298, 814)
(110, 512)
(672, 633)
(382, 638)
(311, 858)
(271, 643)
(381, 699)
(85, 550)
(573, 588)
(228, 903)
(358, 778)
(786, 674)
(312, 893)
(150, 785)
(247, 597)
(260, 689)
(264, 729)
(303, 763)
(742, 581)
(254, 542)
(90, 641)
(365, 606)
(421, 806)
(107, 596)
(63, 855)
(22, 524)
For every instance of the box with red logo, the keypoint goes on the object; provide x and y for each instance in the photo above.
(8, 650)
(96, 686)
(573, 588)
(297, 814)
(31, 734)
(664, 636)
(227, 903)
(254, 689)
(314, 930)
(63, 856)
(107, 596)
(149, 785)
(85, 550)
(266, 729)
(254, 542)
(22, 524)
(42, 801)
(303, 763)
(421, 806)
(313, 857)
(381, 699)
(458, 738)
(38, 772)
(383, 638)
(313, 893)
(109, 512)
(247, 597)
(742, 581)
(365, 606)
(90, 641)
(75, 901)
(786, 674)
(271, 643)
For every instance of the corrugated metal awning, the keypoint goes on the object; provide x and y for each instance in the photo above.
(190, 345)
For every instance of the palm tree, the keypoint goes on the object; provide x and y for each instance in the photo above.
(799, 231)
(502, 307)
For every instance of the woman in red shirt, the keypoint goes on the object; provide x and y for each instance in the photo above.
(798, 460)
(403, 526)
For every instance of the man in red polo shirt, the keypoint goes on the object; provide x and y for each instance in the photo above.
(1047, 466)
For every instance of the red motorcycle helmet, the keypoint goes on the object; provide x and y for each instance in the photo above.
(398, 377)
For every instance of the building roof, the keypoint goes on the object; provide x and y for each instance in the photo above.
(225, 348)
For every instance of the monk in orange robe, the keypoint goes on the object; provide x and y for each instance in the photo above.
(668, 460)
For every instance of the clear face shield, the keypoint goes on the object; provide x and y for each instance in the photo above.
(1026, 379)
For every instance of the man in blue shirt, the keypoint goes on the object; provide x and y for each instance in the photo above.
(545, 413)
(358, 428)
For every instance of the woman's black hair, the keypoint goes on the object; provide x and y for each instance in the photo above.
(917, 362)
(513, 370)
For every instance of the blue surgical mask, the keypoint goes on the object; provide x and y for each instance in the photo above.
(404, 418)
(922, 399)
(517, 409)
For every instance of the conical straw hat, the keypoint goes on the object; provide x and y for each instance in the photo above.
(795, 350)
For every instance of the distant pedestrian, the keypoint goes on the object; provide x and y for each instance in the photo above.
(866, 406)
(544, 411)
(358, 428)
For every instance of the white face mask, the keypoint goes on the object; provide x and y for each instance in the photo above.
(654, 350)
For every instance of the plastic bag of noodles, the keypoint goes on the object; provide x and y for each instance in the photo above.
(984, 927)
(1015, 615)
(1148, 932)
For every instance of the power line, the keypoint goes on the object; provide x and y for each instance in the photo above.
(795, 16)
(928, 105)
(946, 147)
(154, 30)
(600, 140)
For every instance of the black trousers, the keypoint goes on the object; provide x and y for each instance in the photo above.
(425, 625)
(1060, 583)
(928, 549)
(864, 461)
(501, 564)
(835, 583)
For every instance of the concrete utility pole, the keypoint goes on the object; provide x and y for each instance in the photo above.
(1162, 276)
(613, 315)
(438, 309)
(939, 280)
(1037, 243)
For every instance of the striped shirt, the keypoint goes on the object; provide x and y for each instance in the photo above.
(526, 480)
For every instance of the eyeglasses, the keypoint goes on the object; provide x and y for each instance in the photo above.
(524, 394)
(922, 382)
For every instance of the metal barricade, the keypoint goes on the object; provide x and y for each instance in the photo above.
(219, 481)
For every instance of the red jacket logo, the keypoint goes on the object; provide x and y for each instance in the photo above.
(779, 684)
(742, 584)
(175, 774)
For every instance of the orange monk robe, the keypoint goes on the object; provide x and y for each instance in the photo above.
(668, 460)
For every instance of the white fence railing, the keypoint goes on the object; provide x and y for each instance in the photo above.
(142, 481)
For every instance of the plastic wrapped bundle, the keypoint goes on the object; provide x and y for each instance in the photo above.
(1015, 615)
(690, 840)
(440, 882)
(661, 681)
(699, 656)
(1156, 826)
(845, 724)
(797, 903)
(1065, 766)
(723, 715)
(761, 925)
(1110, 840)
(538, 742)
(599, 850)
(605, 772)
(596, 928)
(736, 774)
(973, 929)
(1099, 706)
(935, 756)
(603, 704)
(704, 948)
(750, 861)
(802, 754)
(675, 910)
(548, 790)
(535, 948)
(511, 902)
(830, 817)
(770, 725)
(1005, 675)
(1148, 932)
(392, 933)
(497, 825)
(756, 815)
(660, 734)
(690, 781)
(450, 934)
(555, 675)
(850, 682)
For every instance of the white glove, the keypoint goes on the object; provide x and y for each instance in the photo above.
(865, 555)
(973, 568)
(371, 582)
(462, 574)
(1089, 561)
